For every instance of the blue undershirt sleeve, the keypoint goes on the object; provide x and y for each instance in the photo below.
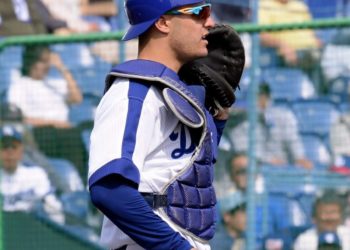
(132, 214)
(220, 125)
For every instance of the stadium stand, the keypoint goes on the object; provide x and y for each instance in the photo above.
(325, 8)
(69, 179)
(315, 115)
(316, 150)
(339, 89)
(76, 204)
(290, 186)
(84, 111)
(288, 84)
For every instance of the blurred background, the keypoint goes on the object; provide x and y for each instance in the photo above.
(283, 170)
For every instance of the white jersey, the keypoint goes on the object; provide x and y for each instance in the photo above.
(25, 187)
(136, 133)
(39, 98)
(309, 239)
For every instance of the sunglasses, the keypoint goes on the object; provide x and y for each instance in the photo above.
(9, 144)
(201, 11)
(242, 171)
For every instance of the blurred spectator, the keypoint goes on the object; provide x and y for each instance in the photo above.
(28, 17)
(347, 209)
(231, 13)
(294, 46)
(103, 8)
(11, 115)
(230, 232)
(282, 212)
(24, 188)
(72, 12)
(277, 137)
(234, 179)
(84, 16)
(20, 17)
(335, 55)
(44, 101)
(55, 26)
(328, 216)
(45, 105)
(340, 136)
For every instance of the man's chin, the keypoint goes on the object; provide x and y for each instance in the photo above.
(203, 53)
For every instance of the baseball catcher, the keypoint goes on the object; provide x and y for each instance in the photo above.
(154, 141)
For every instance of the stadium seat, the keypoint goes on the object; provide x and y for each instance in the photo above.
(75, 55)
(283, 239)
(315, 116)
(344, 107)
(91, 79)
(11, 57)
(242, 93)
(69, 178)
(84, 111)
(324, 8)
(76, 204)
(316, 150)
(291, 184)
(288, 84)
(339, 89)
(10, 65)
(86, 138)
(268, 57)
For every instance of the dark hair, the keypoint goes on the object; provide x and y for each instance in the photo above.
(264, 89)
(30, 56)
(329, 196)
(240, 207)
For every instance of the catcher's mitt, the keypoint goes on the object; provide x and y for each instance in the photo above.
(221, 70)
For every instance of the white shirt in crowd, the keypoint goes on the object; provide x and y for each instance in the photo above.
(309, 239)
(26, 188)
(40, 99)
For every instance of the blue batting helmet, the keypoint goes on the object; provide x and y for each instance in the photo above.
(142, 14)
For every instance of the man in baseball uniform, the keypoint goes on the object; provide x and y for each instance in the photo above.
(24, 188)
(154, 141)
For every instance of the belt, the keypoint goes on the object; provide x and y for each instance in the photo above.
(156, 200)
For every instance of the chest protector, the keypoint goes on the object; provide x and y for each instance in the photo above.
(190, 195)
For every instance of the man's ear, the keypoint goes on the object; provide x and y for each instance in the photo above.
(163, 24)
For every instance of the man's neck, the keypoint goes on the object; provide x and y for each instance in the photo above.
(233, 233)
(158, 51)
(171, 64)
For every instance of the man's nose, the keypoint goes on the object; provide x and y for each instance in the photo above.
(209, 23)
